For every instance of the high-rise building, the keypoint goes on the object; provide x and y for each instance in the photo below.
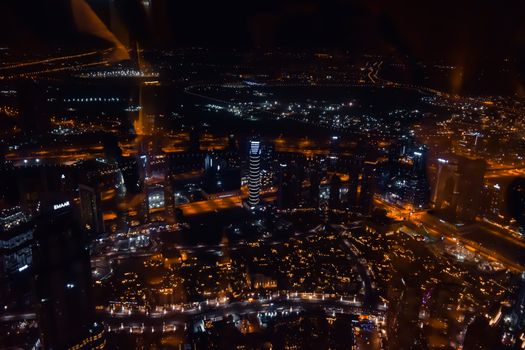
(368, 186)
(254, 175)
(335, 192)
(232, 143)
(514, 318)
(458, 188)
(335, 146)
(3, 162)
(169, 199)
(416, 190)
(282, 185)
(315, 183)
(90, 211)
(403, 177)
(221, 172)
(355, 171)
(29, 181)
(289, 192)
(62, 279)
(33, 106)
(516, 202)
(518, 307)
(395, 151)
(194, 140)
(16, 235)
(500, 201)
(132, 170)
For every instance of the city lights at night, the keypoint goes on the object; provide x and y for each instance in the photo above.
(262, 175)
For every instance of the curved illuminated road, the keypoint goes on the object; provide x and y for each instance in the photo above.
(281, 304)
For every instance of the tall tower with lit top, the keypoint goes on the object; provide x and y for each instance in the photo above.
(254, 175)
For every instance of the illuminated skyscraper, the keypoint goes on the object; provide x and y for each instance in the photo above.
(62, 279)
(417, 191)
(16, 235)
(514, 319)
(368, 186)
(254, 175)
(221, 172)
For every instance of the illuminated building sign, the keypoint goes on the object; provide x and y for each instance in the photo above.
(61, 205)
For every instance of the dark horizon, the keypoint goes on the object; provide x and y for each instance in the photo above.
(453, 31)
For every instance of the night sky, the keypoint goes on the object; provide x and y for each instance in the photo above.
(459, 31)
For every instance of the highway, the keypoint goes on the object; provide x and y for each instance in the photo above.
(444, 230)
(448, 233)
(53, 59)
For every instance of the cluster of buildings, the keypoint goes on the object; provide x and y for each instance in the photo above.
(50, 247)
(91, 198)
(55, 203)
